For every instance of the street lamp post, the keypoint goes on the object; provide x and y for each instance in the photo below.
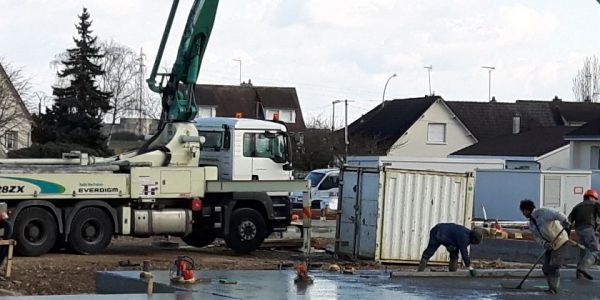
(489, 81)
(333, 114)
(240, 61)
(385, 87)
(429, 77)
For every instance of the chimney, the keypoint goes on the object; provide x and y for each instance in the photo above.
(516, 123)
(493, 99)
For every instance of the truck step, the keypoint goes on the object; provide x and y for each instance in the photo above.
(279, 229)
(279, 204)
(280, 218)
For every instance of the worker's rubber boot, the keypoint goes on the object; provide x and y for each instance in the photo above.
(553, 284)
(422, 265)
(588, 260)
(453, 265)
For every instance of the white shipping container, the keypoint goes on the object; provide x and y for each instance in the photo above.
(387, 213)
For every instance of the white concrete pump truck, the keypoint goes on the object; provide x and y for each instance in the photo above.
(231, 180)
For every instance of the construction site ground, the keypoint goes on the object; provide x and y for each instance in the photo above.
(67, 273)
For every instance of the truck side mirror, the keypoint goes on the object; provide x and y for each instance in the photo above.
(299, 138)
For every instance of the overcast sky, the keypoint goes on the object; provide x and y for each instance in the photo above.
(338, 49)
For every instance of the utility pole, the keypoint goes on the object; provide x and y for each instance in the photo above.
(489, 81)
(333, 115)
(141, 92)
(240, 61)
(347, 142)
(429, 77)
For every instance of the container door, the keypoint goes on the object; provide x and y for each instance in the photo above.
(414, 202)
(368, 214)
(347, 215)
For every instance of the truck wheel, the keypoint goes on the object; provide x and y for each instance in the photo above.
(247, 230)
(91, 231)
(199, 239)
(35, 231)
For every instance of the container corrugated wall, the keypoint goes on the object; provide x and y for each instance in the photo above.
(414, 202)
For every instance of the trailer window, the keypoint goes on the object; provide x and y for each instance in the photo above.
(214, 140)
(271, 146)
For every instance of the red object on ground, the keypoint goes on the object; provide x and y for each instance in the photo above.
(302, 270)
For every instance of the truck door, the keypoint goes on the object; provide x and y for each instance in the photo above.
(268, 152)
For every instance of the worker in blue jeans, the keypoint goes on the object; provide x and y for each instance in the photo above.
(456, 238)
(583, 217)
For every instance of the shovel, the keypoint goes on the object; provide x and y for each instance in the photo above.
(520, 286)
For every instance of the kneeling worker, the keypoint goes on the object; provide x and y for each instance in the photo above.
(455, 238)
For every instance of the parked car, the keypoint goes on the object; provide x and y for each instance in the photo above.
(324, 189)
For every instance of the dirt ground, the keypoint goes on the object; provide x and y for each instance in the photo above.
(68, 273)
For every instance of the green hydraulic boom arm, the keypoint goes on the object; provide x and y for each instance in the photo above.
(178, 103)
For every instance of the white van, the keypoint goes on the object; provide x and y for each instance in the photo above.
(324, 189)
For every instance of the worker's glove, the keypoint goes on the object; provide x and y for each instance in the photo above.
(568, 229)
(472, 272)
(548, 246)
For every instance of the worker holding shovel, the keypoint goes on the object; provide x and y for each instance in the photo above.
(550, 229)
(583, 216)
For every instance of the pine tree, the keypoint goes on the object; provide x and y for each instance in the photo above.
(76, 116)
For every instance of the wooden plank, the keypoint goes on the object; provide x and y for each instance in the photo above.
(9, 259)
(497, 273)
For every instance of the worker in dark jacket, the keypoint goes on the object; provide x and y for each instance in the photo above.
(455, 238)
(583, 217)
(7, 226)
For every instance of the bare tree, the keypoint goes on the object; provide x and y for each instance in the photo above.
(121, 71)
(13, 131)
(586, 84)
(21, 82)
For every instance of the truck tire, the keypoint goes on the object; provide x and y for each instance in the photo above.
(247, 230)
(199, 239)
(91, 231)
(35, 231)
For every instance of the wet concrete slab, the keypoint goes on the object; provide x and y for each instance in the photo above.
(364, 285)
(495, 273)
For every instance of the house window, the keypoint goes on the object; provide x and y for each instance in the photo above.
(285, 115)
(207, 111)
(436, 133)
(595, 158)
(11, 139)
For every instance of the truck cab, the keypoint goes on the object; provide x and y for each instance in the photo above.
(324, 188)
(245, 149)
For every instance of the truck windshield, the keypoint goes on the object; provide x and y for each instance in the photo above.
(314, 178)
(214, 140)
